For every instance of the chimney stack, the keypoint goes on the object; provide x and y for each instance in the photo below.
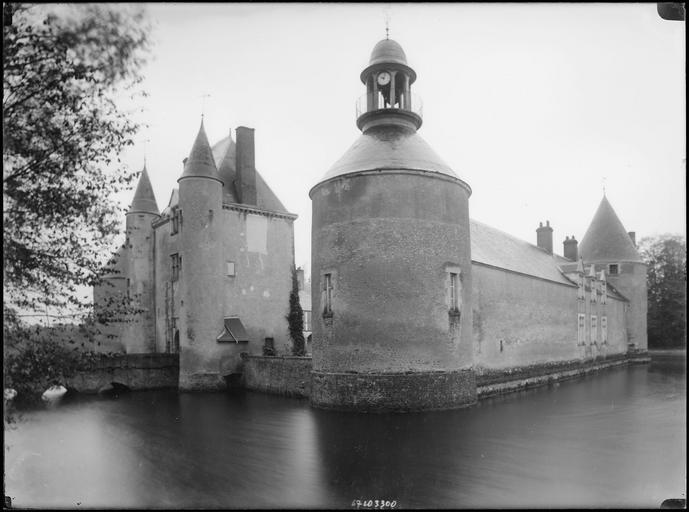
(300, 278)
(570, 248)
(544, 237)
(632, 235)
(246, 166)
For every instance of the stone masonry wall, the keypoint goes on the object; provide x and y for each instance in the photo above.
(286, 375)
(136, 371)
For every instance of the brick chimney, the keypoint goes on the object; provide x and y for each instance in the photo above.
(246, 166)
(571, 247)
(544, 237)
(300, 278)
(632, 235)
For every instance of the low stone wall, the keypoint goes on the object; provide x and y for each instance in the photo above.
(278, 375)
(497, 382)
(136, 371)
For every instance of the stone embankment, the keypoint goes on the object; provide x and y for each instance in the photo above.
(291, 376)
(136, 371)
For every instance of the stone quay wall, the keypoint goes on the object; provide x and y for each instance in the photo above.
(292, 376)
(136, 371)
(278, 375)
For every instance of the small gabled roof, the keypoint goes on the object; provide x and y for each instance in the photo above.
(144, 200)
(200, 163)
(606, 239)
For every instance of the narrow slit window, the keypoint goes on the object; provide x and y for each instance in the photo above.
(454, 292)
(327, 293)
(594, 328)
(176, 263)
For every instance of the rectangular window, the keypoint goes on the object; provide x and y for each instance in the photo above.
(594, 328)
(604, 294)
(327, 293)
(581, 329)
(604, 329)
(613, 269)
(230, 268)
(176, 266)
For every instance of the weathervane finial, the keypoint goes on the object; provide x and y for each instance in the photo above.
(203, 103)
(387, 24)
(146, 141)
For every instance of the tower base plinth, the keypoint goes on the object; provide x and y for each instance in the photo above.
(393, 392)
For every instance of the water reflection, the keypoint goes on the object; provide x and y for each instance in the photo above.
(612, 439)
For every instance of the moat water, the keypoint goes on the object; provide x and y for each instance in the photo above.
(612, 439)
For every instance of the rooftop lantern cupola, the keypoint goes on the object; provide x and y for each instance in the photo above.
(388, 99)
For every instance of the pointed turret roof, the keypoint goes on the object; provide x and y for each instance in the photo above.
(606, 239)
(144, 200)
(200, 162)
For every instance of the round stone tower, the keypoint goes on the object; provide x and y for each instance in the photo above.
(391, 263)
(201, 305)
(609, 247)
(139, 330)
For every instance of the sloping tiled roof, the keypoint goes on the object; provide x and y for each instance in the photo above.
(227, 167)
(265, 197)
(606, 239)
(496, 248)
(174, 201)
(389, 147)
(144, 200)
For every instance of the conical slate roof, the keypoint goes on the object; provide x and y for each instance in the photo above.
(200, 162)
(606, 239)
(144, 200)
(389, 148)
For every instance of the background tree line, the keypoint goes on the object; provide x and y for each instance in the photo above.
(666, 257)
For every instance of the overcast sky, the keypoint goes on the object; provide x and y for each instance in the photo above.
(535, 106)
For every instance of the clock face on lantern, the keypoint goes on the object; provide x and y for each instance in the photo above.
(384, 78)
